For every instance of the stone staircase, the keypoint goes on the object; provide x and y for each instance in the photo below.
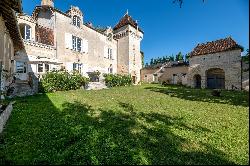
(21, 89)
(96, 86)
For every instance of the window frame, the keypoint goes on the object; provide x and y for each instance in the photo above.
(76, 21)
(42, 65)
(22, 66)
(76, 44)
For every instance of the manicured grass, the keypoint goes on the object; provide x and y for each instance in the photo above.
(146, 124)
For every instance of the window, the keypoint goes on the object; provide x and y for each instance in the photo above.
(20, 67)
(25, 31)
(79, 45)
(76, 43)
(110, 69)
(77, 67)
(110, 37)
(76, 21)
(40, 68)
(46, 67)
(110, 53)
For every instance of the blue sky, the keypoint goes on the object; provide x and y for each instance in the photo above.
(168, 28)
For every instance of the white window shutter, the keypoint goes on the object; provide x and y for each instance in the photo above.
(69, 66)
(68, 40)
(82, 45)
(105, 52)
(86, 46)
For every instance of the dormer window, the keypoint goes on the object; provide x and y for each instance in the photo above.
(76, 21)
(110, 37)
(25, 31)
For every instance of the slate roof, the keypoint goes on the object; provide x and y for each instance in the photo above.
(215, 46)
(127, 20)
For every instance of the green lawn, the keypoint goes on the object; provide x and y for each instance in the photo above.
(146, 124)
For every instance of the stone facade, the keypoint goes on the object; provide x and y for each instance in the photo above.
(175, 75)
(228, 61)
(7, 55)
(10, 41)
(147, 75)
(77, 45)
(173, 72)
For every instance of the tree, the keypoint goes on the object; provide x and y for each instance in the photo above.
(142, 58)
(179, 57)
(171, 58)
(187, 56)
(151, 62)
(180, 2)
(246, 57)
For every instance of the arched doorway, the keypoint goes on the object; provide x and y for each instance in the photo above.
(215, 78)
(197, 81)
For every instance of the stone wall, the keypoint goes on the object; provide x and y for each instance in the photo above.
(228, 61)
(96, 56)
(6, 55)
(126, 55)
(179, 71)
(147, 75)
(4, 116)
(129, 55)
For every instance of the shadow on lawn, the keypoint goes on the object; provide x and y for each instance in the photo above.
(79, 134)
(237, 98)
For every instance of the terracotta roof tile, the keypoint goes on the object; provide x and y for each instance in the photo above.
(126, 20)
(215, 46)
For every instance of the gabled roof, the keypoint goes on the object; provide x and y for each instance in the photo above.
(215, 46)
(127, 20)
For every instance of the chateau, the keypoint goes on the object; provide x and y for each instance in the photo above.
(54, 40)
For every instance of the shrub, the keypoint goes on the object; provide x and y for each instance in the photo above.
(113, 80)
(216, 92)
(62, 81)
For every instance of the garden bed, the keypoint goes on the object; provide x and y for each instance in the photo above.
(5, 112)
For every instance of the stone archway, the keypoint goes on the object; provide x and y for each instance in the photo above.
(215, 78)
(197, 81)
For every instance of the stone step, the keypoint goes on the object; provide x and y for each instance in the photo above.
(96, 86)
(22, 89)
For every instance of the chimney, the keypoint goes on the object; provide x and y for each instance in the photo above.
(47, 3)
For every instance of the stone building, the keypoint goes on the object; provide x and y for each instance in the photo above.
(54, 39)
(149, 75)
(216, 65)
(10, 40)
(173, 72)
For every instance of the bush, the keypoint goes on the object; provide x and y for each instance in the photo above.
(216, 92)
(62, 81)
(113, 80)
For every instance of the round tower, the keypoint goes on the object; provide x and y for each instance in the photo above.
(47, 3)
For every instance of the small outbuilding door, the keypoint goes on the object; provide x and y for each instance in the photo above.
(197, 81)
(215, 79)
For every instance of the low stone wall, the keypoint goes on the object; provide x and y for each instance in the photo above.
(4, 116)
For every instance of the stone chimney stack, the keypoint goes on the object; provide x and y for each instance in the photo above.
(47, 3)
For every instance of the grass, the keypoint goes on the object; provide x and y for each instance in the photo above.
(146, 124)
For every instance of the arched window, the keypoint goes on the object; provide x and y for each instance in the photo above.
(25, 31)
(76, 21)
